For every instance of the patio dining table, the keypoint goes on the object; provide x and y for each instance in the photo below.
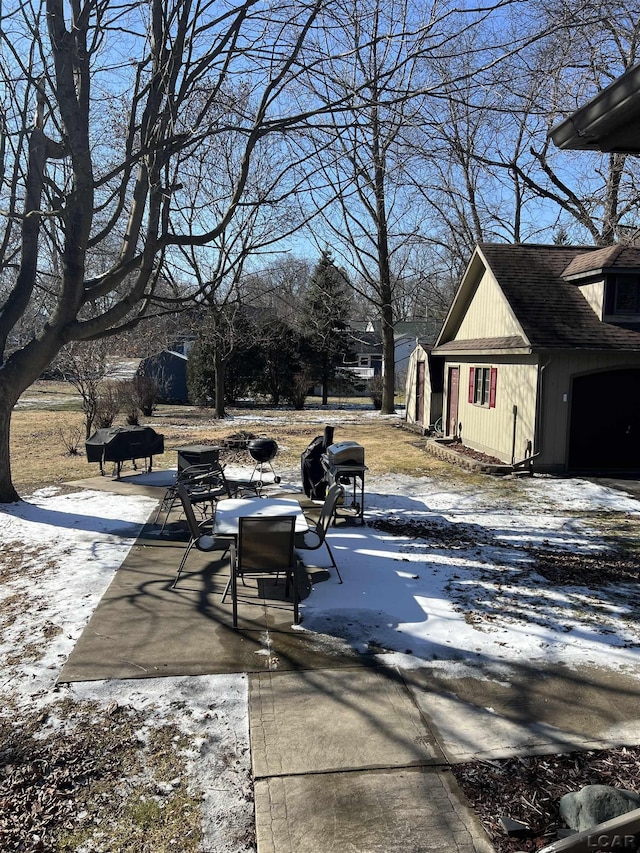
(231, 510)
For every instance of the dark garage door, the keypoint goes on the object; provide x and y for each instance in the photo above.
(605, 421)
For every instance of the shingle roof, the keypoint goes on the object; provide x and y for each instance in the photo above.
(506, 343)
(553, 312)
(367, 341)
(609, 258)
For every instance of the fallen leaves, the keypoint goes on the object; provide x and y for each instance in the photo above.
(78, 780)
(590, 570)
(528, 789)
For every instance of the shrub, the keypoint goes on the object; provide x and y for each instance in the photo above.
(71, 439)
(129, 402)
(298, 390)
(139, 394)
(107, 405)
(375, 391)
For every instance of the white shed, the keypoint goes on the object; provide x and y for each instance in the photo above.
(425, 375)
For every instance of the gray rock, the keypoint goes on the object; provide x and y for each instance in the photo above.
(594, 804)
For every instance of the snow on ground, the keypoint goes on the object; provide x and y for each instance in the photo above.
(68, 547)
(479, 599)
(464, 595)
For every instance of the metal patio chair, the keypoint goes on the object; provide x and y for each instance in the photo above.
(315, 537)
(201, 532)
(205, 484)
(265, 548)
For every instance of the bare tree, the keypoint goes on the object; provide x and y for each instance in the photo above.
(364, 185)
(265, 217)
(122, 97)
(278, 287)
(84, 365)
(489, 170)
(595, 195)
(355, 186)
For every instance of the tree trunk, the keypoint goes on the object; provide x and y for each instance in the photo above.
(384, 288)
(611, 217)
(325, 380)
(388, 358)
(219, 365)
(8, 493)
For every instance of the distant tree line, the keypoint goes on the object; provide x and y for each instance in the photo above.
(254, 347)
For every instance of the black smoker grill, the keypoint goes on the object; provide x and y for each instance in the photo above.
(119, 444)
(312, 470)
(344, 463)
(262, 451)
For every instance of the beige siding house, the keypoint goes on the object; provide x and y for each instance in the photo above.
(541, 352)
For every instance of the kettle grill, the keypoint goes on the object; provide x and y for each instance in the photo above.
(262, 451)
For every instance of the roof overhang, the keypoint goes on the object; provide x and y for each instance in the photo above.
(609, 122)
(513, 345)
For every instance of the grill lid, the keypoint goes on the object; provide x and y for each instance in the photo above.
(262, 449)
(345, 453)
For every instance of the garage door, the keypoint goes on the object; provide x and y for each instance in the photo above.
(605, 421)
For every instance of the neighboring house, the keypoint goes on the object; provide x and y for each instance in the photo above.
(365, 359)
(366, 347)
(541, 356)
(183, 345)
(424, 383)
(169, 370)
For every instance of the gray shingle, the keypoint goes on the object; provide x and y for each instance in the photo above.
(506, 343)
(551, 310)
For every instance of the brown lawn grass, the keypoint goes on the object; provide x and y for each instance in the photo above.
(50, 415)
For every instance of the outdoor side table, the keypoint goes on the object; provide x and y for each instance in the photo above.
(197, 454)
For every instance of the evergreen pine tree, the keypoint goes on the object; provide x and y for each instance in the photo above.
(327, 310)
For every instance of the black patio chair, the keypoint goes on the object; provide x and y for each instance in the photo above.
(200, 533)
(205, 484)
(265, 548)
(315, 536)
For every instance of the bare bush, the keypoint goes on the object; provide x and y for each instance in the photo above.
(144, 391)
(107, 404)
(129, 403)
(376, 385)
(298, 391)
(71, 438)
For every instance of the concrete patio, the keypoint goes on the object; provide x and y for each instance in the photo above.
(346, 754)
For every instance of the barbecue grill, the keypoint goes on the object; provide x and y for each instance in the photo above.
(343, 463)
(262, 451)
(313, 474)
(120, 444)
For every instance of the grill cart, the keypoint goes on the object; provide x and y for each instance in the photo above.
(344, 464)
(120, 444)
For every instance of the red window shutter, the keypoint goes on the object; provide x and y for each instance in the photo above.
(493, 379)
(472, 377)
